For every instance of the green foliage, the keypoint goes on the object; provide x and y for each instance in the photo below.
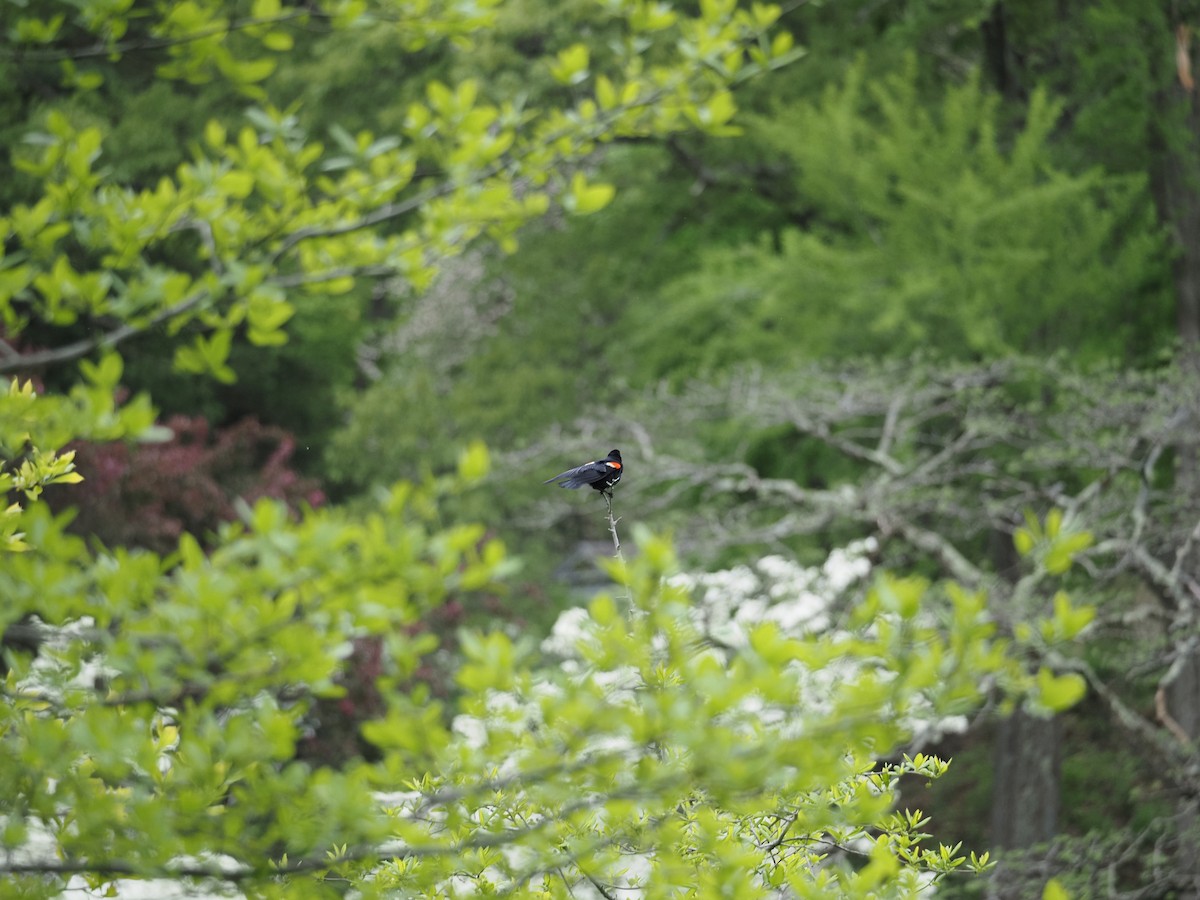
(260, 221)
(157, 705)
(241, 189)
(207, 40)
(1055, 544)
(930, 230)
(506, 348)
(642, 758)
(208, 666)
(1117, 36)
(1111, 63)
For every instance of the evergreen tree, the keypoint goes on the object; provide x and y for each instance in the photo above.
(925, 230)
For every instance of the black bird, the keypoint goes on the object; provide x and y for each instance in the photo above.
(601, 474)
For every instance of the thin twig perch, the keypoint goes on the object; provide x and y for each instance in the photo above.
(612, 527)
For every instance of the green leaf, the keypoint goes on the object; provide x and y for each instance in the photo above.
(1063, 550)
(105, 372)
(584, 199)
(473, 462)
(571, 64)
(603, 610)
(214, 134)
(1059, 692)
(1023, 540)
(279, 41)
(237, 184)
(1070, 619)
(267, 311)
(265, 9)
(781, 44)
(207, 356)
(606, 94)
(1054, 520)
(38, 31)
(721, 108)
(653, 16)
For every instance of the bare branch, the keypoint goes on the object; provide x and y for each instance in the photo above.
(1181, 759)
(959, 567)
(612, 527)
(1183, 552)
(1166, 719)
(888, 434)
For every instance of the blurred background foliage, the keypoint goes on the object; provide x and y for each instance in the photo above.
(934, 185)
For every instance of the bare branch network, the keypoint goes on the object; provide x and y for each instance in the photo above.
(941, 464)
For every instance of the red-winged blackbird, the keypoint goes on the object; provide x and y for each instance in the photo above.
(601, 474)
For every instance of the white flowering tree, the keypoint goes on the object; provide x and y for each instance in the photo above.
(707, 710)
(943, 464)
(631, 753)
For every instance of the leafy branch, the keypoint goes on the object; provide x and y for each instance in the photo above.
(120, 48)
(15, 361)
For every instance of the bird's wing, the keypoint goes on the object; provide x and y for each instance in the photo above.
(588, 473)
(558, 476)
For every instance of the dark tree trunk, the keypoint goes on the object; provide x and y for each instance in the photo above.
(1179, 713)
(1025, 799)
(996, 51)
(1177, 188)
(1178, 194)
(1181, 197)
(1028, 754)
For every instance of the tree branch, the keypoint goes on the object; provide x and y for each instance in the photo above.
(134, 46)
(1179, 756)
(959, 567)
(271, 868)
(69, 352)
(612, 527)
